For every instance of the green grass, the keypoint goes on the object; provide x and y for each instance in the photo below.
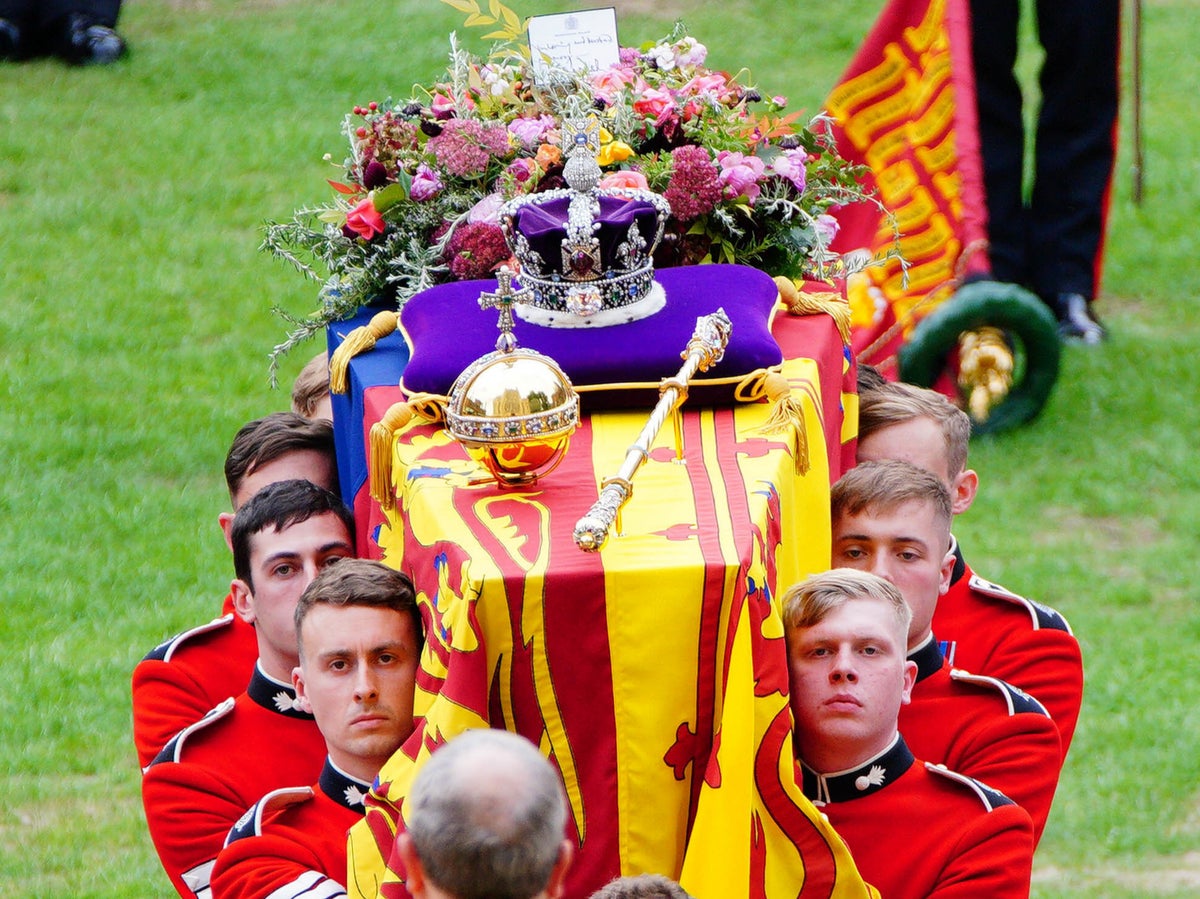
(134, 328)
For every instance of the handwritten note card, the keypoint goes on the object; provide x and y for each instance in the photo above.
(575, 42)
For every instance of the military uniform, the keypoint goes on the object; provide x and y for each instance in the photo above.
(919, 831)
(183, 678)
(205, 778)
(292, 843)
(987, 629)
(983, 728)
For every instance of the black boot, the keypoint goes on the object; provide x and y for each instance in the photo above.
(1076, 320)
(82, 41)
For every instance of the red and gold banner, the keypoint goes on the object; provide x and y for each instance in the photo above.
(906, 108)
(653, 673)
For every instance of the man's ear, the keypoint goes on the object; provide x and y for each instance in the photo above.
(910, 680)
(947, 572)
(298, 685)
(414, 874)
(243, 600)
(965, 486)
(225, 520)
(558, 876)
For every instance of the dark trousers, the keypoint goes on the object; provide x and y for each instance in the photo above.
(1051, 242)
(37, 16)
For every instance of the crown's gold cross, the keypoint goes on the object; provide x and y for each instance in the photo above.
(504, 298)
(582, 135)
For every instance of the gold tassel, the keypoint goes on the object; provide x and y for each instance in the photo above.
(427, 406)
(787, 412)
(985, 366)
(360, 340)
(830, 303)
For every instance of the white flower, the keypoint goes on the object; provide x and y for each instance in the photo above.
(663, 56)
(690, 52)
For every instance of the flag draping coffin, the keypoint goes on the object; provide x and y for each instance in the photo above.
(652, 673)
(905, 108)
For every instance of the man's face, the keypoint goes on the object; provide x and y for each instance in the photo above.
(848, 679)
(907, 546)
(307, 465)
(357, 676)
(282, 564)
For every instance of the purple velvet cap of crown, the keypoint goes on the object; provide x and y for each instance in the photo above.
(446, 331)
(544, 226)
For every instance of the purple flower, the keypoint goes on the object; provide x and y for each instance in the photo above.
(425, 184)
(740, 174)
(790, 164)
(528, 132)
(374, 175)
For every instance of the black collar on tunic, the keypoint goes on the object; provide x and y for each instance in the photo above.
(869, 777)
(275, 695)
(960, 564)
(928, 657)
(343, 789)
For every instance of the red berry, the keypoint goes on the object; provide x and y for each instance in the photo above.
(361, 132)
(372, 106)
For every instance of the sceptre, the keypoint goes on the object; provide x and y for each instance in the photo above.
(705, 349)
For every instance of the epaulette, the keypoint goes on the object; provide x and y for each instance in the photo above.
(991, 798)
(1016, 698)
(250, 824)
(163, 651)
(174, 748)
(1042, 617)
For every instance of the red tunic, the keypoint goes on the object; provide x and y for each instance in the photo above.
(985, 729)
(918, 831)
(183, 678)
(206, 777)
(990, 630)
(292, 843)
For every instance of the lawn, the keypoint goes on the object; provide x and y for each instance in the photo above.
(134, 328)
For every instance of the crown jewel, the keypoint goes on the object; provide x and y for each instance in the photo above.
(585, 252)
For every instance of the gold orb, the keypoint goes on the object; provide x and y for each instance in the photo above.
(514, 412)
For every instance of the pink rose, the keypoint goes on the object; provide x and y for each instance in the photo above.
(827, 228)
(607, 84)
(655, 103)
(790, 164)
(625, 178)
(714, 85)
(425, 184)
(740, 174)
(365, 221)
(486, 211)
(529, 132)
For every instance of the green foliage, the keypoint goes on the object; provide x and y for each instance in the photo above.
(134, 325)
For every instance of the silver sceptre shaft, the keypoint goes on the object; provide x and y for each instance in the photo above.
(705, 349)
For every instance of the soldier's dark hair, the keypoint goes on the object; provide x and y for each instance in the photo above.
(266, 439)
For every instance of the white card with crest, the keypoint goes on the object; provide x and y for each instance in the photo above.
(577, 42)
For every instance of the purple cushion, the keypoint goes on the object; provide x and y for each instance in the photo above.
(620, 365)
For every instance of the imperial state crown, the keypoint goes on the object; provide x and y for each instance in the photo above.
(585, 252)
